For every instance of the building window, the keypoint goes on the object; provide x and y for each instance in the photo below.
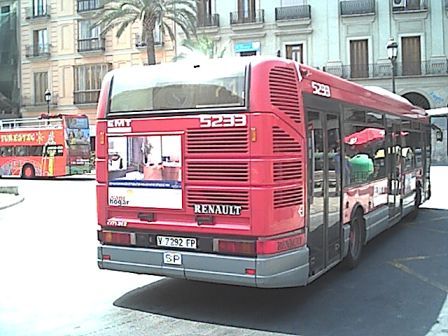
(295, 52)
(40, 42)
(359, 59)
(86, 31)
(411, 55)
(204, 10)
(5, 9)
(39, 8)
(246, 10)
(88, 80)
(40, 86)
(89, 38)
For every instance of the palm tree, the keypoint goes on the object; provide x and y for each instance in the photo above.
(122, 13)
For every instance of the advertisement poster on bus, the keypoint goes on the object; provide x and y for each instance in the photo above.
(145, 171)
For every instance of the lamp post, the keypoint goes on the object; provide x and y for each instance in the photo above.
(392, 52)
(48, 99)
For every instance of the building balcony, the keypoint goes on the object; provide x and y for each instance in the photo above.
(89, 5)
(40, 12)
(94, 44)
(411, 6)
(246, 17)
(86, 97)
(293, 13)
(446, 4)
(380, 70)
(209, 20)
(358, 7)
(38, 51)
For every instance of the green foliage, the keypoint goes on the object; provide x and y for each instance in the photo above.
(122, 13)
(203, 46)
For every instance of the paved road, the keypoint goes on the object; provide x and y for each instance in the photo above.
(50, 285)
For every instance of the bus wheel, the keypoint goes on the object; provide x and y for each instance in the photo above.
(356, 241)
(28, 171)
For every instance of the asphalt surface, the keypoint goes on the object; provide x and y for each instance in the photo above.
(50, 285)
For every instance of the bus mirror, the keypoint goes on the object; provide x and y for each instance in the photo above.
(439, 135)
(438, 132)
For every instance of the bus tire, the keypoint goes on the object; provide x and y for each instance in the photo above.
(356, 241)
(28, 171)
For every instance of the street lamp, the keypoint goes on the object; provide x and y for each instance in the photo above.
(392, 51)
(48, 99)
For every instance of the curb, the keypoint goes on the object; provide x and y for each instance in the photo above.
(20, 200)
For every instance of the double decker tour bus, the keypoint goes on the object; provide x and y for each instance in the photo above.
(47, 146)
(251, 171)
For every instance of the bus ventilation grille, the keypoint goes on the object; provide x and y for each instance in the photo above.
(288, 197)
(284, 143)
(286, 171)
(217, 141)
(284, 92)
(219, 171)
(218, 197)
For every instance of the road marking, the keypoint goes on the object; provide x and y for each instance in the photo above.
(423, 278)
(413, 226)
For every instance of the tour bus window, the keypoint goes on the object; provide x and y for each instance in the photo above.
(6, 151)
(21, 151)
(35, 150)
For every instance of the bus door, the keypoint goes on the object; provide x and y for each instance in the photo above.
(324, 190)
(395, 169)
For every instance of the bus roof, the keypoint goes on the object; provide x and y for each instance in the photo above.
(373, 97)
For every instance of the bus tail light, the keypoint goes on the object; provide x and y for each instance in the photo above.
(237, 247)
(277, 245)
(261, 246)
(116, 238)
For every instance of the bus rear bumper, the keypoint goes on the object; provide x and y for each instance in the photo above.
(283, 270)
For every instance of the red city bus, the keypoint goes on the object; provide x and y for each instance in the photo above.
(46, 146)
(251, 171)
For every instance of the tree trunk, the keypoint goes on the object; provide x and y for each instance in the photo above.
(150, 50)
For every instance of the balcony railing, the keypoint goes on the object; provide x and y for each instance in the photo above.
(361, 71)
(38, 12)
(358, 7)
(91, 44)
(209, 20)
(412, 5)
(86, 97)
(39, 50)
(256, 16)
(89, 5)
(293, 13)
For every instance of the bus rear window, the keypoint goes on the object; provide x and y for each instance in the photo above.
(179, 86)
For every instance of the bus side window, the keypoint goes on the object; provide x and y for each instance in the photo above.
(6, 151)
(22, 151)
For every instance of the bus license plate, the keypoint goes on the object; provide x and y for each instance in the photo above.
(172, 258)
(177, 242)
